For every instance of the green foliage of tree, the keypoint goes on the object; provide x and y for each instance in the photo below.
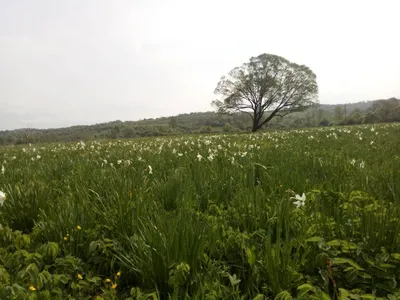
(266, 86)
(339, 113)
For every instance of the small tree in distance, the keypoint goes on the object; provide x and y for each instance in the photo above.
(265, 87)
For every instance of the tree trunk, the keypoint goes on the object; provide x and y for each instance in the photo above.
(255, 125)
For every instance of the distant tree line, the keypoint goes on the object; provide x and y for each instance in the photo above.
(378, 111)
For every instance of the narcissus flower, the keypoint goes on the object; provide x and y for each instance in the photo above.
(2, 198)
(301, 200)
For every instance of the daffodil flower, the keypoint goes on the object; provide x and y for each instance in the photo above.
(2, 198)
(301, 200)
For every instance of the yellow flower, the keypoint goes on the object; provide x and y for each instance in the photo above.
(32, 288)
(118, 274)
(67, 234)
(65, 238)
(108, 280)
(114, 286)
(78, 227)
(80, 276)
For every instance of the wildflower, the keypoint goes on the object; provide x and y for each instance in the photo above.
(362, 164)
(78, 227)
(80, 277)
(114, 286)
(65, 238)
(2, 198)
(199, 157)
(301, 200)
(108, 280)
(371, 143)
(353, 161)
(38, 156)
(32, 288)
(180, 154)
(150, 170)
(3, 170)
(118, 274)
(372, 129)
(119, 162)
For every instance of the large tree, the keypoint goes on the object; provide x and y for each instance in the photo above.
(265, 87)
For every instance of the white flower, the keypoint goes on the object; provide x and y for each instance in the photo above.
(353, 161)
(180, 154)
(150, 170)
(2, 198)
(38, 156)
(301, 200)
(199, 157)
(119, 162)
(372, 129)
(3, 170)
(362, 164)
(371, 143)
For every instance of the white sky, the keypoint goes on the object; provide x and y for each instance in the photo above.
(87, 61)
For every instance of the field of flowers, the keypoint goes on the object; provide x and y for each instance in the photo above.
(298, 214)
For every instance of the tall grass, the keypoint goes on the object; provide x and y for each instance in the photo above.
(212, 216)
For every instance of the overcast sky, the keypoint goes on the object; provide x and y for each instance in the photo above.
(88, 61)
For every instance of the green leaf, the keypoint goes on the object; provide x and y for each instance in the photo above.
(315, 239)
(368, 296)
(340, 261)
(251, 256)
(233, 279)
(304, 289)
(396, 256)
(285, 295)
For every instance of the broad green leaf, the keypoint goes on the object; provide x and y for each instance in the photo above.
(368, 297)
(315, 239)
(339, 261)
(396, 256)
(285, 295)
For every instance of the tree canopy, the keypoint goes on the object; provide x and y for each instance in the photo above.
(265, 87)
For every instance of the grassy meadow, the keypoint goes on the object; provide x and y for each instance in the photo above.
(205, 217)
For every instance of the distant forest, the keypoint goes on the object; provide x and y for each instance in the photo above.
(377, 111)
